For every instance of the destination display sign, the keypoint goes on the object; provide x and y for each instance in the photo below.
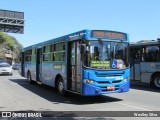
(100, 64)
(108, 35)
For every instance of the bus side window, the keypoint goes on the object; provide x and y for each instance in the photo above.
(53, 49)
(44, 49)
(28, 54)
(137, 55)
(153, 53)
(47, 52)
(45, 55)
(158, 56)
(132, 57)
(27, 58)
(59, 52)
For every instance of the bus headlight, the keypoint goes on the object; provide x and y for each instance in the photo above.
(88, 81)
(126, 79)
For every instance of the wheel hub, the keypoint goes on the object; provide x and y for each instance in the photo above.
(60, 86)
(157, 82)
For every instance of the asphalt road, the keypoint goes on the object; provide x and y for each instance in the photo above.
(16, 94)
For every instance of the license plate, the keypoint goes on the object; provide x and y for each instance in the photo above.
(110, 87)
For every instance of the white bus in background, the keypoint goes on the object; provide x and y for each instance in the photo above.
(145, 62)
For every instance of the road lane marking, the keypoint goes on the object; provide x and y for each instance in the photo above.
(134, 107)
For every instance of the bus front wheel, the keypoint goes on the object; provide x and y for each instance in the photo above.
(156, 81)
(60, 86)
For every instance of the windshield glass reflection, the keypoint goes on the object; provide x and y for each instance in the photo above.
(106, 55)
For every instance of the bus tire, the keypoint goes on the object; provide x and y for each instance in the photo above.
(156, 81)
(60, 86)
(29, 78)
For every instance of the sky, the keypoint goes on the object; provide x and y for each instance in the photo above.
(48, 19)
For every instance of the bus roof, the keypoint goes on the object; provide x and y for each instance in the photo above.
(145, 42)
(54, 40)
(85, 34)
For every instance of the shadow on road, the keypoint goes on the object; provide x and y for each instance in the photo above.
(143, 86)
(5, 75)
(51, 94)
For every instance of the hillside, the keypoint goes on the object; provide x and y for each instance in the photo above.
(9, 43)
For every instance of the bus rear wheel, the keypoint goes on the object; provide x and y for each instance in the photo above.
(60, 87)
(156, 81)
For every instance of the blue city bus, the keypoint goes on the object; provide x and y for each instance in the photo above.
(145, 62)
(88, 62)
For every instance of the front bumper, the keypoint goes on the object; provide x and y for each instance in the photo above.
(89, 89)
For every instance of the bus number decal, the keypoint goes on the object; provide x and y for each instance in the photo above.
(57, 66)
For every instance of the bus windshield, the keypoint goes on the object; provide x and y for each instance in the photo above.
(106, 55)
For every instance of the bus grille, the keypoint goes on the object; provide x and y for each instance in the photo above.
(107, 82)
(117, 81)
(109, 75)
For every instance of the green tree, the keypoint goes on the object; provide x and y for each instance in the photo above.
(9, 42)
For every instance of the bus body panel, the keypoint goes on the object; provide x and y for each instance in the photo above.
(143, 72)
(27, 68)
(137, 71)
(30, 67)
(145, 77)
(50, 70)
(148, 69)
(33, 70)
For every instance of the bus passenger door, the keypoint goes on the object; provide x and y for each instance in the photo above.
(39, 64)
(74, 67)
